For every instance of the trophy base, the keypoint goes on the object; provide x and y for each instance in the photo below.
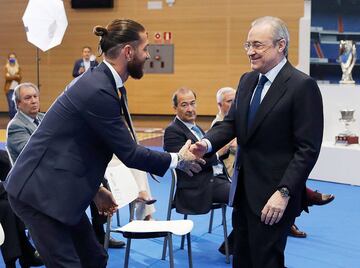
(346, 139)
(348, 82)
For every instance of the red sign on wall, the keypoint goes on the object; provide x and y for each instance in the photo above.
(167, 37)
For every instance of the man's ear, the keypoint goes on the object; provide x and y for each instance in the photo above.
(128, 52)
(282, 45)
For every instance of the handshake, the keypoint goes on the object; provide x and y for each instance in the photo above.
(190, 157)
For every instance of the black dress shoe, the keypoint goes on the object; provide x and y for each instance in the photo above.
(29, 261)
(230, 240)
(295, 232)
(222, 249)
(113, 243)
(320, 199)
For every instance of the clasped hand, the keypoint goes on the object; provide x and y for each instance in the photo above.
(188, 161)
(105, 202)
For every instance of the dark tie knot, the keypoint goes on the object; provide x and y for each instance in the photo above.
(36, 121)
(263, 80)
(122, 90)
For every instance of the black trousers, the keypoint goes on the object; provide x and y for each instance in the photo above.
(62, 245)
(11, 249)
(256, 244)
(220, 189)
(98, 222)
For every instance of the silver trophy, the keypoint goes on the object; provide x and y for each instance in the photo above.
(346, 136)
(347, 59)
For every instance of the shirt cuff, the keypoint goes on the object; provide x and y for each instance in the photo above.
(209, 147)
(174, 160)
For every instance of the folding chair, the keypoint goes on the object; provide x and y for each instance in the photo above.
(214, 206)
(124, 188)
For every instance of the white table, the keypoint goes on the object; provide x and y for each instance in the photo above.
(338, 163)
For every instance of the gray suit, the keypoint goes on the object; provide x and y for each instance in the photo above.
(18, 132)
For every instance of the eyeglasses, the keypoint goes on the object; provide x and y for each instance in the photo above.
(257, 45)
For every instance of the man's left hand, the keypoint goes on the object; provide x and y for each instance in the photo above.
(105, 202)
(274, 208)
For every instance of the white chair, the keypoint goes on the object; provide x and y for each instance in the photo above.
(171, 205)
(2, 235)
(124, 188)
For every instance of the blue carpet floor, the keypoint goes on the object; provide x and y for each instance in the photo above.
(332, 239)
(332, 242)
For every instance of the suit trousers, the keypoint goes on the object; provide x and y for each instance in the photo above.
(61, 245)
(256, 244)
(220, 189)
(11, 249)
(98, 222)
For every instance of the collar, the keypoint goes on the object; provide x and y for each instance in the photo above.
(31, 120)
(119, 83)
(188, 125)
(271, 75)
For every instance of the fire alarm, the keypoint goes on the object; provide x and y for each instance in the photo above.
(157, 37)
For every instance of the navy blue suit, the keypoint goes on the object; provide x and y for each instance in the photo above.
(80, 63)
(60, 169)
(195, 195)
(278, 150)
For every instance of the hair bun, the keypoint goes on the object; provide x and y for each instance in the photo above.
(100, 31)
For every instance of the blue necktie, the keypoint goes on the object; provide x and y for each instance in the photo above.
(255, 103)
(36, 121)
(198, 132)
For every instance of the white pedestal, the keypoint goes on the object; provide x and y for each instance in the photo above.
(339, 163)
(336, 98)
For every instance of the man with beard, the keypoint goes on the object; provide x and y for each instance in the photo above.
(59, 171)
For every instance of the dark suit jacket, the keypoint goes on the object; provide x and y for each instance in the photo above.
(80, 63)
(60, 169)
(283, 143)
(5, 167)
(193, 194)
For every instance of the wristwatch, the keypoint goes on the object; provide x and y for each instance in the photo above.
(181, 162)
(284, 191)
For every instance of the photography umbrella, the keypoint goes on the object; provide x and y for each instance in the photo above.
(45, 24)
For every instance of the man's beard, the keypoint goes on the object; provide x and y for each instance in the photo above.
(135, 68)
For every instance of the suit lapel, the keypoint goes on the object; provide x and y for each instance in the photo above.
(26, 122)
(245, 93)
(186, 130)
(275, 92)
(103, 68)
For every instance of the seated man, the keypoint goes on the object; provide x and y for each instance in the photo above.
(194, 195)
(224, 98)
(23, 125)
(16, 244)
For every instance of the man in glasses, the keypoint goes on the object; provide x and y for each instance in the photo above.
(277, 118)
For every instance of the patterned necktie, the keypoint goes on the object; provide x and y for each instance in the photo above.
(198, 132)
(36, 121)
(255, 103)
